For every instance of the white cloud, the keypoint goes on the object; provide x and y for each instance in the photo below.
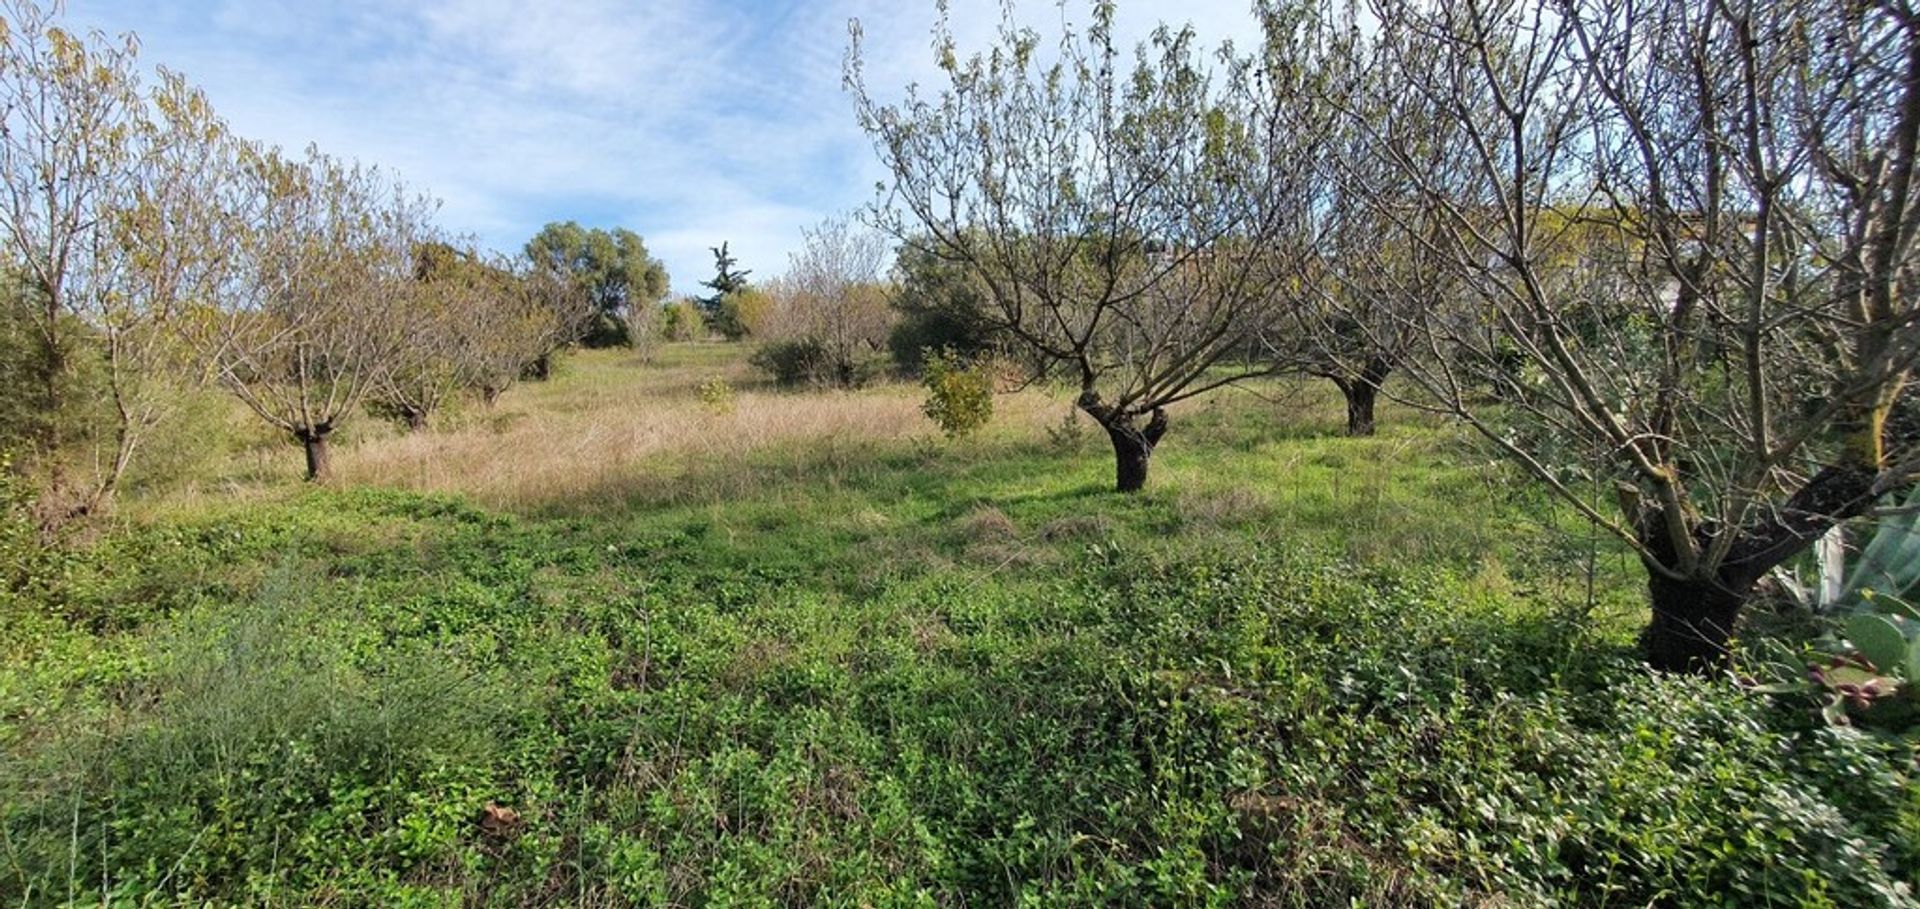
(691, 121)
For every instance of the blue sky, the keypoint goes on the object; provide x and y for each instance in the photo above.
(689, 121)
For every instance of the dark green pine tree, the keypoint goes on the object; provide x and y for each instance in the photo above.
(720, 314)
(726, 281)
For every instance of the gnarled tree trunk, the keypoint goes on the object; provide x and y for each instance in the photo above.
(1360, 400)
(1694, 616)
(1133, 444)
(1692, 621)
(319, 463)
(1362, 392)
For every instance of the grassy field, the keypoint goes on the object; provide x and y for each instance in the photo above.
(617, 643)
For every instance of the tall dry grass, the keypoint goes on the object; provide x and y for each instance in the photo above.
(611, 430)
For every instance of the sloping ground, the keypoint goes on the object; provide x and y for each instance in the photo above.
(317, 703)
(1300, 670)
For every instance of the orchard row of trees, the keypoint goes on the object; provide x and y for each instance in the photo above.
(149, 250)
(1661, 248)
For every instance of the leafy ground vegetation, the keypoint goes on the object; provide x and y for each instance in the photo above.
(627, 646)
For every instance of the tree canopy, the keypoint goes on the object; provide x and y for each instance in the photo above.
(1683, 235)
(1119, 220)
(612, 267)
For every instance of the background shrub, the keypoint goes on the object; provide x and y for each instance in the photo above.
(808, 362)
(959, 394)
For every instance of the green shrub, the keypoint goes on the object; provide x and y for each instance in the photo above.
(959, 394)
(21, 552)
(681, 321)
(790, 362)
(807, 361)
(921, 334)
(257, 750)
(742, 314)
(942, 307)
(84, 418)
(716, 396)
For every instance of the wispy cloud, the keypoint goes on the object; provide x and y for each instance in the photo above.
(691, 121)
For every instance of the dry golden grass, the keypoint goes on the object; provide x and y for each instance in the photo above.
(570, 455)
(610, 430)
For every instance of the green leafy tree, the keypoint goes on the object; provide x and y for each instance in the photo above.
(942, 306)
(612, 267)
(106, 191)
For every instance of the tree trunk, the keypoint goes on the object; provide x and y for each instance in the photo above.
(1131, 454)
(541, 369)
(1133, 448)
(1360, 397)
(1693, 618)
(1692, 622)
(319, 463)
(1362, 391)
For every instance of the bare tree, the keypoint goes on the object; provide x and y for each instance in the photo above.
(565, 311)
(516, 313)
(1117, 220)
(318, 318)
(571, 312)
(833, 302)
(1370, 275)
(472, 322)
(1687, 230)
(102, 188)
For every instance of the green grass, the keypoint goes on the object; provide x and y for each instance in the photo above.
(1300, 670)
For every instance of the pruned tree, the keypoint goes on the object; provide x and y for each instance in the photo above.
(570, 315)
(505, 314)
(448, 313)
(524, 312)
(1372, 272)
(1686, 233)
(1118, 221)
(318, 317)
(104, 185)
